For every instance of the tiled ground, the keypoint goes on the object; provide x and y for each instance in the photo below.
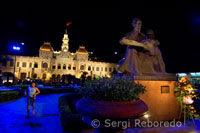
(46, 120)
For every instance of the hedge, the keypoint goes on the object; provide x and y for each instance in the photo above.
(8, 95)
(70, 120)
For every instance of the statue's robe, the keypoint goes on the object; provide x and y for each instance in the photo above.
(130, 63)
(138, 61)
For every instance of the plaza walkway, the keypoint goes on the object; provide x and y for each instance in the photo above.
(46, 119)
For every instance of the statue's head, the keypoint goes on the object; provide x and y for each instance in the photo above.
(150, 34)
(137, 24)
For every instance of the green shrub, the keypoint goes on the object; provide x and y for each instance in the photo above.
(8, 95)
(112, 89)
(71, 121)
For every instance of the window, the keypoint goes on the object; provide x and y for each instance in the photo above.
(110, 69)
(92, 68)
(64, 66)
(101, 68)
(97, 68)
(17, 64)
(44, 65)
(106, 69)
(69, 67)
(30, 65)
(11, 64)
(35, 65)
(53, 67)
(82, 67)
(74, 68)
(59, 66)
(24, 64)
(89, 68)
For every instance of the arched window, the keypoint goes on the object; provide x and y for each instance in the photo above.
(89, 68)
(74, 68)
(106, 69)
(64, 66)
(54, 66)
(82, 67)
(59, 66)
(69, 67)
(35, 65)
(44, 65)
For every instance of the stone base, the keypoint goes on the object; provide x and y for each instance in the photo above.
(162, 104)
(157, 77)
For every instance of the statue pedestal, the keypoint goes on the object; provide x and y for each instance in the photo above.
(156, 77)
(159, 96)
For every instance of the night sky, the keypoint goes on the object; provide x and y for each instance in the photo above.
(100, 29)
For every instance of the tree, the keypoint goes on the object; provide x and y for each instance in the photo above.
(83, 77)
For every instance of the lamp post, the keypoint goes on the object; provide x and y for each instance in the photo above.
(15, 48)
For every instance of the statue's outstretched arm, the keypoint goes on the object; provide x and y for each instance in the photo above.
(125, 41)
(121, 41)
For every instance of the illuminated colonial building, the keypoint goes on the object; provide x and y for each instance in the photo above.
(57, 63)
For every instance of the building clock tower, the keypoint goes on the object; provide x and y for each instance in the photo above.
(65, 44)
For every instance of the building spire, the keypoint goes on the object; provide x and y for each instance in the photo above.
(65, 40)
(65, 44)
(66, 31)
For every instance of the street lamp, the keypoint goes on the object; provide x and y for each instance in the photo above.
(15, 48)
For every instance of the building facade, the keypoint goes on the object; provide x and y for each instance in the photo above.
(57, 63)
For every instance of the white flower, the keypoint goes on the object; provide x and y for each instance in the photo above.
(187, 100)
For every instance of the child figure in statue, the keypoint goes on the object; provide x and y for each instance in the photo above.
(153, 55)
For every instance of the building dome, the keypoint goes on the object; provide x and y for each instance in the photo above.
(46, 47)
(82, 50)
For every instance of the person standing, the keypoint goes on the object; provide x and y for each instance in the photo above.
(33, 91)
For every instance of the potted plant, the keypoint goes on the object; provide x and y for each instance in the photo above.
(111, 98)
